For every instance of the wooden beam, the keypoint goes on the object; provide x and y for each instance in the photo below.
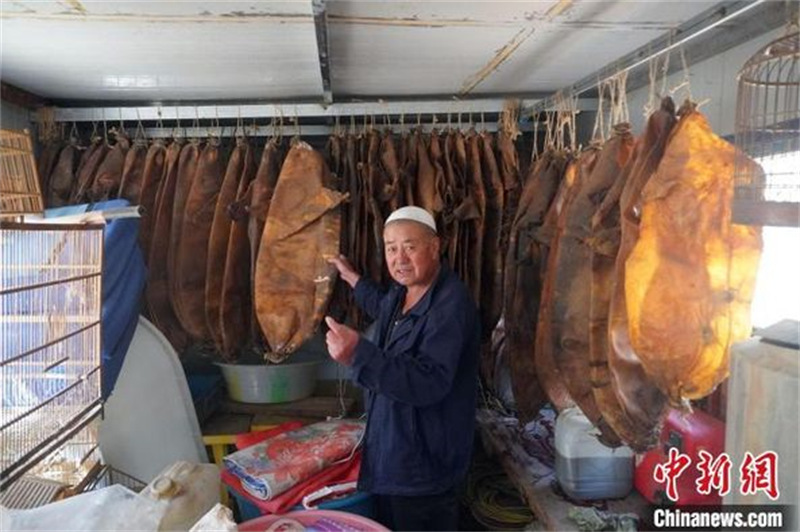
(321, 29)
(14, 95)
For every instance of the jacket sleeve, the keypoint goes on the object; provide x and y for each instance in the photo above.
(422, 377)
(368, 295)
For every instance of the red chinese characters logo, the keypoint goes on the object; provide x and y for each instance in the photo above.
(669, 472)
(760, 473)
(714, 473)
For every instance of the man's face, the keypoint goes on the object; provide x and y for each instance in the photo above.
(412, 253)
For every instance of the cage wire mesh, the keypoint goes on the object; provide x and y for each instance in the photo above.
(50, 303)
(20, 192)
(768, 131)
(72, 461)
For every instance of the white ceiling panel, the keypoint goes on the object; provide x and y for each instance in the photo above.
(485, 48)
(240, 50)
(171, 51)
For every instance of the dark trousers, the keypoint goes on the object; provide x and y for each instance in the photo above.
(418, 512)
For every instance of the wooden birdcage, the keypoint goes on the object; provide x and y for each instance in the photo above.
(768, 131)
(20, 192)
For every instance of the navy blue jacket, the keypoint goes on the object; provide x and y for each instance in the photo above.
(421, 379)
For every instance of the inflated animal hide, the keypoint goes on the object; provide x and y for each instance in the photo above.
(236, 301)
(157, 290)
(492, 254)
(508, 165)
(365, 219)
(187, 169)
(218, 241)
(523, 278)
(62, 178)
(152, 175)
(109, 174)
(90, 162)
(377, 195)
(628, 400)
(453, 199)
(689, 280)
(335, 156)
(293, 277)
(130, 188)
(391, 174)
(443, 196)
(355, 205)
(427, 192)
(476, 197)
(46, 163)
(190, 263)
(572, 288)
(410, 158)
(547, 370)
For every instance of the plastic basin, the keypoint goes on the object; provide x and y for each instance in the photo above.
(319, 519)
(275, 383)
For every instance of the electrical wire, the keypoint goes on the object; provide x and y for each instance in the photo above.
(493, 500)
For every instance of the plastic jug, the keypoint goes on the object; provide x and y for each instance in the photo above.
(585, 468)
(190, 490)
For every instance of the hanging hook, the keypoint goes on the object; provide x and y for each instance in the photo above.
(73, 132)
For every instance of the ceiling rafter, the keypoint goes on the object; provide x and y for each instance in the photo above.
(320, 11)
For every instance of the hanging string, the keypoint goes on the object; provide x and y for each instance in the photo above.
(105, 126)
(140, 133)
(597, 130)
(652, 75)
(238, 130)
(121, 124)
(685, 81)
(665, 68)
(573, 103)
(548, 139)
(623, 96)
(73, 133)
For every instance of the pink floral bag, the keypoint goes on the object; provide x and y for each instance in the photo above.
(274, 465)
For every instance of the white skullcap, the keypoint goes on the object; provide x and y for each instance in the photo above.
(415, 214)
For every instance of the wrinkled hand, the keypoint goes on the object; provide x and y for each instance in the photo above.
(346, 270)
(341, 341)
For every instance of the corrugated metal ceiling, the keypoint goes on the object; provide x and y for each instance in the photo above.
(257, 50)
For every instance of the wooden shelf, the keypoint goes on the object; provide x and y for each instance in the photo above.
(534, 479)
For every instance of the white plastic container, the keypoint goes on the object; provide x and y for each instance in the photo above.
(585, 468)
(190, 490)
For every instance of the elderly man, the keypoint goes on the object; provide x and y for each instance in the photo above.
(420, 375)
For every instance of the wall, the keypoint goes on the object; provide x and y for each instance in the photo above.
(14, 117)
(714, 78)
